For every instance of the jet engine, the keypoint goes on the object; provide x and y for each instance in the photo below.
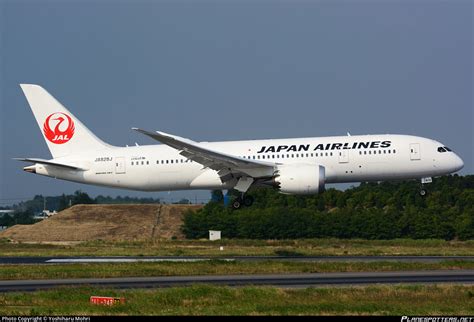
(300, 179)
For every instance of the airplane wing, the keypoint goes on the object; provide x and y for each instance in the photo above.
(50, 162)
(228, 166)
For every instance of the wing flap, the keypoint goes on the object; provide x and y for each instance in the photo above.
(193, 150)
(211, 158)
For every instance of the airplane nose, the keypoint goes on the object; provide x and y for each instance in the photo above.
(458, 164)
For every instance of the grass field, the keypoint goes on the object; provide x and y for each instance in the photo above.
(243, 247)
(56, 271)
(215, 300)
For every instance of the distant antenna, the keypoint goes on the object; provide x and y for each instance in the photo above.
(348, 134)
(136, 144)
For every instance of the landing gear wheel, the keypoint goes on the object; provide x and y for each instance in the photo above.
(422, 192)
(248, 201)
(237, 203)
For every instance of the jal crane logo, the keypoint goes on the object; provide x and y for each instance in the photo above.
(63, 129)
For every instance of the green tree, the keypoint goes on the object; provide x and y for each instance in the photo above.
(371, 210)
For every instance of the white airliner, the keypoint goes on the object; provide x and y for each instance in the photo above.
(293, 166)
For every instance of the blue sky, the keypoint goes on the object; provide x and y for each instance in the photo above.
(230, 70)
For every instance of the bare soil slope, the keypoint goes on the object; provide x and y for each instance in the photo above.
(105, 222)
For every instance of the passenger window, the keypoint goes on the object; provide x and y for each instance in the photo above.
(142, 162)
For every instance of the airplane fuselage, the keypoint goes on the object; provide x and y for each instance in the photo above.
(293, 166)
(345, 159)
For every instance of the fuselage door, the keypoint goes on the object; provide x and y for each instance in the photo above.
(343, 156)
(415, 151)
(119, 165)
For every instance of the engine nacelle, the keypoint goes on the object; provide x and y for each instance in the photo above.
(300, 179)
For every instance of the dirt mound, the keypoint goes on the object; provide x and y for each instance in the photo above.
(105, 222)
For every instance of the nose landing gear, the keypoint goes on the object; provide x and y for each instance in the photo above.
(423, 182)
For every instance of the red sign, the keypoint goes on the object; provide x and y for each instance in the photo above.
(104, 300)
(61, 133)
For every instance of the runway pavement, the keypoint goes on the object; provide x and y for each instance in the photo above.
(125, 259)
(280, 280)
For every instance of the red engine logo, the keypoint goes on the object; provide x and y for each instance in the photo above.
(63, 129)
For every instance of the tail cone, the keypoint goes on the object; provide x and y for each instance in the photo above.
(31, 168)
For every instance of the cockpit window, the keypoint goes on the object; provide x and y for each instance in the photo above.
(447, 149)
(441, 149)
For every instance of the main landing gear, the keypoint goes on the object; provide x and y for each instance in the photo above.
(244, 200)
(423, 182)
(243, 184)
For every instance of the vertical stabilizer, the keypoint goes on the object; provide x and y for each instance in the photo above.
(63, 132)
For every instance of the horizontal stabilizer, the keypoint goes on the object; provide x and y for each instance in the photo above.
(50, 162)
